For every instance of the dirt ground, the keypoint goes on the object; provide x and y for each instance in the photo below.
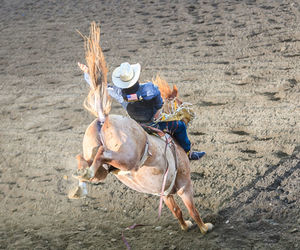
(236, 61)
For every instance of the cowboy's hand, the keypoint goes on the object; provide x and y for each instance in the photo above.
(83, 67)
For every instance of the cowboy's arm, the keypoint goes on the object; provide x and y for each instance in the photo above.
(151, 92)
(116, 93)
(113, 91)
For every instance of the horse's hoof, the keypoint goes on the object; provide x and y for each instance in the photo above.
(208, 228)
(188, 226)
(83, 174)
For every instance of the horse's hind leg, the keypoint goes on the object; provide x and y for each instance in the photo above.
(92, 171)
(82, 163)
(187, 197)
(171, 204)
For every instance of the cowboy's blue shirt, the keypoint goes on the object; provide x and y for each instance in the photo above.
(148, 103)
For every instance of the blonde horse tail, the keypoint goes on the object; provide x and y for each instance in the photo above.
(98, 101)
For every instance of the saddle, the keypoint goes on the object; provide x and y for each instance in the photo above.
(164, 136)
(153, 131)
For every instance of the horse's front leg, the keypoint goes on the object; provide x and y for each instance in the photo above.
(171, 204)
(186, 194)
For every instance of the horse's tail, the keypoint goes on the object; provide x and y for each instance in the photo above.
(165, 90)
(98, 101)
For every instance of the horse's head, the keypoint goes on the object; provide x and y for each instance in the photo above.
(171, 100)
(170, 96)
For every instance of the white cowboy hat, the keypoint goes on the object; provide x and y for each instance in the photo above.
(126, 75)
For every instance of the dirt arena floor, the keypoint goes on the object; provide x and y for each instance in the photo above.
(238, 62)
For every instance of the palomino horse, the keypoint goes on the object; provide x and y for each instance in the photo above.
(143, 162)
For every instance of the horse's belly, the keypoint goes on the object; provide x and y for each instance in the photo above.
(148, 179)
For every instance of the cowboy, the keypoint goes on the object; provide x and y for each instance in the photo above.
(143, 103)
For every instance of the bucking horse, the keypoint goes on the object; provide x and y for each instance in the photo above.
(117, 144)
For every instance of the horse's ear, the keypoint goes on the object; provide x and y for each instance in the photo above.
(175, 95)
(174, 92)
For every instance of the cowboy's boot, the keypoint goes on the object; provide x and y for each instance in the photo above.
(195, 155)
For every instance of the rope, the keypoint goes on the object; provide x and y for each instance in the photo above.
(168, 140)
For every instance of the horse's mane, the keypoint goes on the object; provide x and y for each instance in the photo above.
(98, 101)
(173, 108)
(165, 90)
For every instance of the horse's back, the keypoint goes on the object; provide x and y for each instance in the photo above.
(120, 132)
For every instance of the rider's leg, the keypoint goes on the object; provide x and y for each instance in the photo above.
(178, 130)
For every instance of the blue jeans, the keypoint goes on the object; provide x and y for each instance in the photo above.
(178, 131)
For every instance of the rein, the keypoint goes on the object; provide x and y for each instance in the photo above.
(169, 140)
(146, 154)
